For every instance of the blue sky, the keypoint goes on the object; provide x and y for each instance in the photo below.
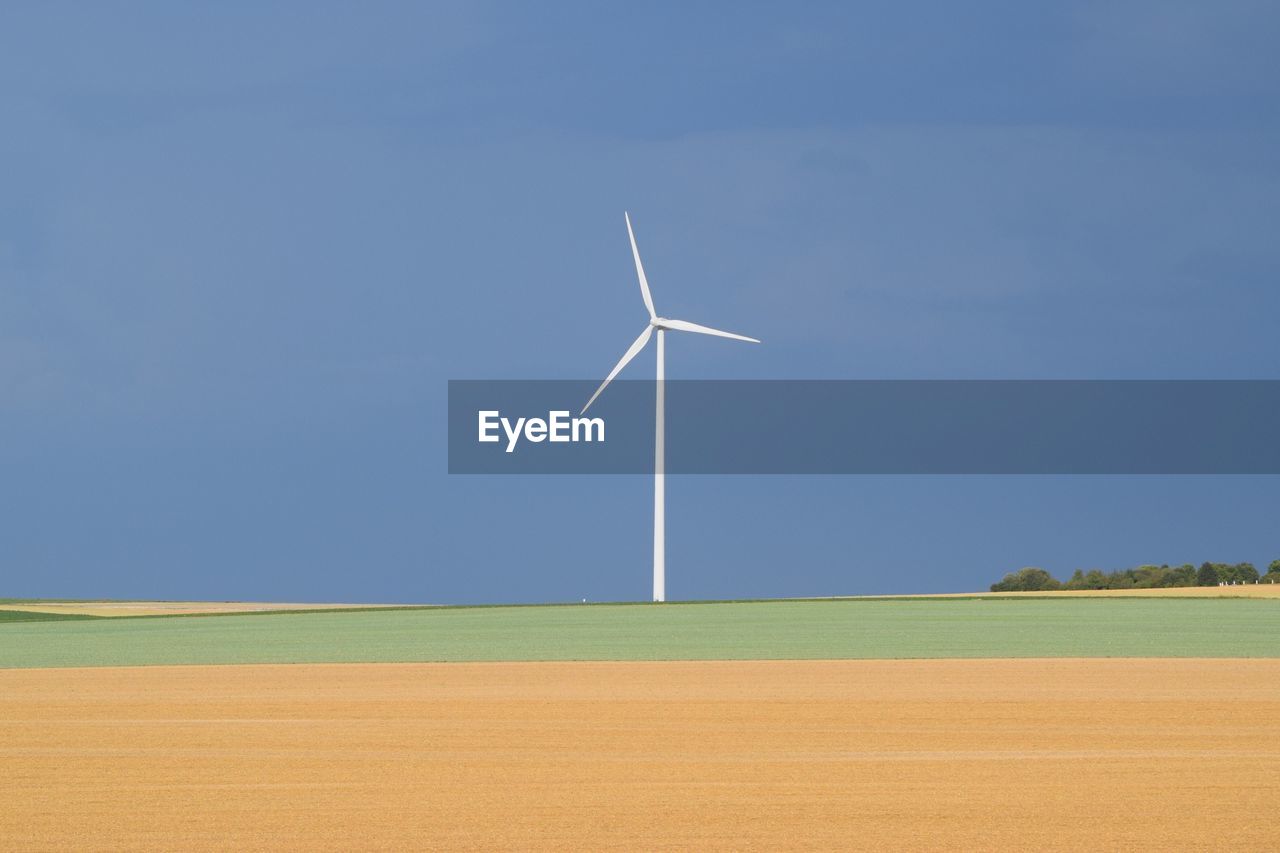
(243, 247)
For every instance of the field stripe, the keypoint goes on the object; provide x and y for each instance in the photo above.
(780, 630)
(7, 616)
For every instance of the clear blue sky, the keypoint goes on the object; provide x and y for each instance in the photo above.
(244, 245)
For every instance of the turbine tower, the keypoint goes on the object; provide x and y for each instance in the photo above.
(661, 324)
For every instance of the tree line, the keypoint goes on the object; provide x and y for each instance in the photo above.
(1034, 579)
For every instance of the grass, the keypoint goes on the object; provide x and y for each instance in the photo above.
(28, 616)
(921, 628)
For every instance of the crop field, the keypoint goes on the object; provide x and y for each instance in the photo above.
(163, 608)
(29, 616)
(840, 629)
(1063, 754)
(90, 607)
(1019, 722)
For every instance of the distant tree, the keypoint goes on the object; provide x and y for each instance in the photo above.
(1121, 579)
(1030, 579)
(1149, 577)
(1095, 579)
(1080, 579)
(1076, 581)
(1236, 572)
(1274, 568)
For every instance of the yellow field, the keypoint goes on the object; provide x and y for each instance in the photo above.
(169, 608)
(157, 608)
(970, 754)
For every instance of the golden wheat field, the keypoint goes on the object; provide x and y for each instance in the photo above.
(977, 754)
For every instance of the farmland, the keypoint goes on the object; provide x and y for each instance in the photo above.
(963, 754)
(35, 616)
(996, 722)
(838, 629)
(163, 608)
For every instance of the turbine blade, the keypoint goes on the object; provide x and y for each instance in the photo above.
(685, 326)
(644, 282)
(626, 357)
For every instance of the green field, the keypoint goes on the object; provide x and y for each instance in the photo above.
(938, 628)
(27, 616)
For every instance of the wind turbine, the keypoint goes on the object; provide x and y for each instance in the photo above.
(661, 324)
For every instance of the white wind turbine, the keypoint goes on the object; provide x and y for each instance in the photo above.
(662, 324)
